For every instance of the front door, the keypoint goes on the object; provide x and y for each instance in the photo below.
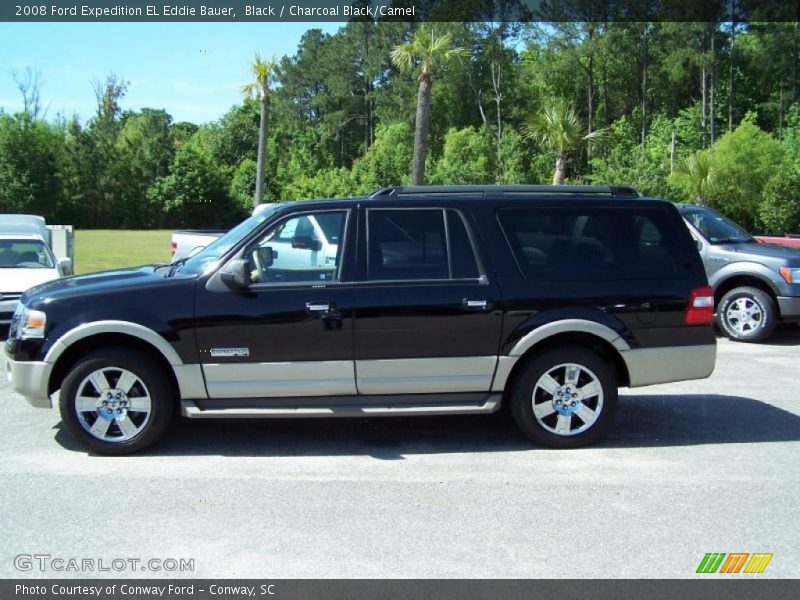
(425, 315)
(291, 332)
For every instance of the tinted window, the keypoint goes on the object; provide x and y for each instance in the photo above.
(406, 244)
(463, 257)
(557, 244)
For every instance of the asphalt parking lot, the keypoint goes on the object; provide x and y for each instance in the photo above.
(689, 468)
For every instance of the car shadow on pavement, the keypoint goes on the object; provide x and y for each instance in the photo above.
(787, 334)
(642, 421)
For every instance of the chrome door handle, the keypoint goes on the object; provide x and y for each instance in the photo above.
(318, 307)
(475, 303)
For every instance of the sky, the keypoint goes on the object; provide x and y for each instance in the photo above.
(193, 70)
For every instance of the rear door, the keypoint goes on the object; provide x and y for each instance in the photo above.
(426, 308)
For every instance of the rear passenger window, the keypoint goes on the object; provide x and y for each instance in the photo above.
(559, 244)
(406, 244)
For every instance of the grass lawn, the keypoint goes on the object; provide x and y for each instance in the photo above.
(99, 249)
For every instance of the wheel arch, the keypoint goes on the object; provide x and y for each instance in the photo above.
(598, 344)
(732, 281)
(85, 338)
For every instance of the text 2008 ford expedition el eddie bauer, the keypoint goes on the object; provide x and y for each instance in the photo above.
(436, 300)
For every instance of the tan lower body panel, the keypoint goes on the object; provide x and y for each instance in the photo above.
(425, 375)
(284, 379)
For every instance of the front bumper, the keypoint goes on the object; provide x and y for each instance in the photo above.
(30, 379)
(789, 307)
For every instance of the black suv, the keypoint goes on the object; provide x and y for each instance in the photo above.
(420, 301)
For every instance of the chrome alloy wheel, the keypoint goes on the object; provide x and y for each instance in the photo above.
(567, 399)
(744, 315)
(113, 404)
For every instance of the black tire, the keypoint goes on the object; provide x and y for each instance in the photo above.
(152, 381)
(756, 331)
(522, 397)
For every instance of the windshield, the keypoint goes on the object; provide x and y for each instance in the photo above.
(210, 254)
(25, 254)
(715, 228)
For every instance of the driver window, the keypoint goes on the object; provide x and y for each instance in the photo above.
(299, 249)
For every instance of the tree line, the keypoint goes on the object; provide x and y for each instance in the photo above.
(692, 112)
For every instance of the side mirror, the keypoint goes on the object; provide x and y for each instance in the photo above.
(266, 256)
(699, 245)
(236, 274)
(65, 266)
(306, 242)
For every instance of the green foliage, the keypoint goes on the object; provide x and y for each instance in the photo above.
(243, 184)
(195, 192)
(341, 116)
(235, 137)
(388, 160)
(330, 183)
(780, 211)
(513, 158)
(693, 175)
(741, 165)
(468, 157)
(626, 163)
(29, 155)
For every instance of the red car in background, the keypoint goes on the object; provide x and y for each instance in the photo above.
(788, 239)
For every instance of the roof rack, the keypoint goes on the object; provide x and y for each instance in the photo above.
(618, 191)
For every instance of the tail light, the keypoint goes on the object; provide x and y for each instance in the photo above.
(700, 308)
(174, 247)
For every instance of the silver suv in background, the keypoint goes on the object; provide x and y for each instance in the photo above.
(756, 285)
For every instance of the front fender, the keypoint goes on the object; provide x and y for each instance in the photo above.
(747, 269)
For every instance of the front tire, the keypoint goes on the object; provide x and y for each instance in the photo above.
(116, 401)
(565, 398)
(747, 314)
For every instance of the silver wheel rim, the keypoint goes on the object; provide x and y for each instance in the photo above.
(113, 404)
(744, 315)
(567, 399)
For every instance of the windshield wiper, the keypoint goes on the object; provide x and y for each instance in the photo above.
(176, 266)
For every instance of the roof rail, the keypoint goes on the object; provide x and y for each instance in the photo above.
(387, 191)
(621, 191)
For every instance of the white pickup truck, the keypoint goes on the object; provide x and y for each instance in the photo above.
(189, 242)
(30, 253)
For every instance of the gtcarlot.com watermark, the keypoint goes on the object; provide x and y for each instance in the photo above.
(72, 564)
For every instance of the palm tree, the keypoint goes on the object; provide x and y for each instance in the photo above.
(263, 71)
(559, 128)
(694, 172)
(426, 52)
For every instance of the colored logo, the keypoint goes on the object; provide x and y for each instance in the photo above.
(734, 562)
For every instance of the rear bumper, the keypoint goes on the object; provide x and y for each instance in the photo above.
(649, 366)
(30, 379)
(789, 307)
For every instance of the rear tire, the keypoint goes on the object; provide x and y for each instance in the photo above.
(747, 314)
(116, 401)
(565, 398)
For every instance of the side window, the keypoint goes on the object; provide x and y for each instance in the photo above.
(562, 244)
(406, 244)
(655, 247)
(299, 250)
(462, 254)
